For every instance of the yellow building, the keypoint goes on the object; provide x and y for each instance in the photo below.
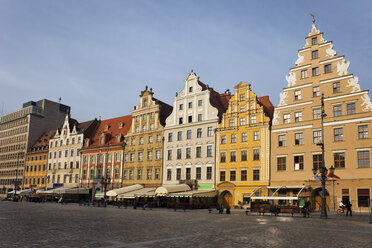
(243, 146)
(36, 162)
(143, 153)
(297, 129)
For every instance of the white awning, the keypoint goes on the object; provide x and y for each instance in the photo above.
(145, 192)
(195, 193)
(77, 191)
(166, 189)
(116, 192)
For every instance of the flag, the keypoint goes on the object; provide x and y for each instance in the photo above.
(333, 176)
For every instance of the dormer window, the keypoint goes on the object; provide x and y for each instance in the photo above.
(106, 127)
(120, 124)
(190, 89)
(101, 140)
(118, 138)
(87, 142)
(145, 103)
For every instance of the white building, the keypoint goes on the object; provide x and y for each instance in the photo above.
(189, 135)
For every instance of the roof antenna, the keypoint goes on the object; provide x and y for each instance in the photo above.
(60, 99)
(99, 117)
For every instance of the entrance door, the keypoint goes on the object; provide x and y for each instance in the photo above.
(318, 200)
(227, 199)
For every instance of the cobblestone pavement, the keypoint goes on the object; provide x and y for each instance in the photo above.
(53, 225)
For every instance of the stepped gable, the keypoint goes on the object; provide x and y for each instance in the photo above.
(267, 105)
(113, 129)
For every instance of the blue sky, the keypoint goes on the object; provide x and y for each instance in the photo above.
(98, 55)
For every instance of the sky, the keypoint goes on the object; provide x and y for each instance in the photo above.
(98, 55)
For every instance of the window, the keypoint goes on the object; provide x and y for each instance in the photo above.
(109, 158)
(243, 155)
(144, 117)
(139, 174)
(286, 118)
(327, 68)
(256, 154)
(190, 119)
(143, 128)
(131, 174)
(209, 173)
(198, 151)
(316, 114)
(222, 157)
(158, 138)
(137, 118)
(316, 91)
(198, 173)
(339, 159)
(169, 174)
(157, 154)
(169, 154)
(298, 162)
(190, 104)
(232, 156)
(200, 117)
(242, 108)
(223, 139)
(231, 123)
(299, 138)
(304, 74)
(198, 133)
(314, 41)
(315, 71)
(61, 143)
(336, 87)
(101, 140)
(133, 141)
(180, 120)
(363, 159)
(137, 129)
(140, 156)
(145, 102)
(149, 155)
(314, 54)
(188, 152)
(256, 135)
(117, 157)
(242, 97)
(317, 137)
(132, 157)
(179, 135)
(363, 131)
(242, 121)
(181, 107)
(200, 103)
(151, 126)
(253, 119)
(256, 175)
(338, 134)
(337, 111)
(210, 132)
(170, 137)
(188, 134)
(233, 138)
(86, 160)
(298, 116)
(232, 175)
(157, 173)
(209, 151)
(188, 173)
(243, 175)
(190, 89)
(297, 95)
(281, 164)
(179, 153)
(67, 142)
(350, 108)
(363, 198)
(317, 161)
(222, 176)
(141, 141)
(282, 140)
(244, 137)
(152, 115)
(178, 174)
(150, 139)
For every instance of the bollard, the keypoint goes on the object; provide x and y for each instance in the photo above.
(246, 212)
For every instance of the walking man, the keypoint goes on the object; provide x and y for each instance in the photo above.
(348, 209)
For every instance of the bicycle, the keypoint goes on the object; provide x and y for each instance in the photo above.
(341, 212)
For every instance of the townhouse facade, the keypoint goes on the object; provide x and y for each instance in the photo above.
(19, 130)
(189, 135)
(297, 129)
(37, 162)
(64, 152)
(243, 146)
(102, 154)
(144, 150)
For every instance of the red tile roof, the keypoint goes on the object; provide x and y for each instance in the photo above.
(112, 132)
(43, 141)
(267, 105)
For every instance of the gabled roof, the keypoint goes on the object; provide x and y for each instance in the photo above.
(267, 105)
(165, 110)
(110, 128)
(43, 140)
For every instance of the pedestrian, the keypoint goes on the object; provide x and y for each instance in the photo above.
(348, 208)
(221, 209)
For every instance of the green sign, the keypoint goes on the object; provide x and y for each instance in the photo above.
(205, 186)
(301, 203)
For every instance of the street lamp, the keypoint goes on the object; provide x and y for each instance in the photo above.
(16, 180)
(322, 169)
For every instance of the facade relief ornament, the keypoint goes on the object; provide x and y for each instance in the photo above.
(354, 82)
(342, 67)
(314, 30)
(283, 98)
(276, 117)
(291, 79)
(330, 52)
(366, 103)
(300, 59)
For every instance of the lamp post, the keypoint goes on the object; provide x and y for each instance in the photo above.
(16, 180)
